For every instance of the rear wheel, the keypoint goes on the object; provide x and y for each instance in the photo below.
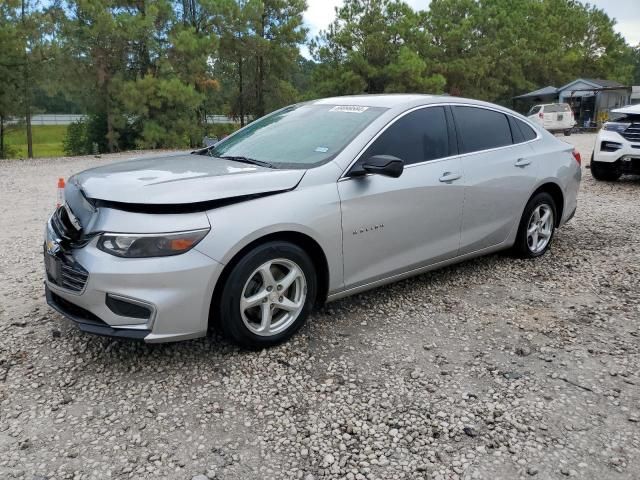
(268, 295)
(568, 132)
(604, 171)
(537, 226)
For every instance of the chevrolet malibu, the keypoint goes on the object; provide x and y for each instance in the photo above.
(309, 204)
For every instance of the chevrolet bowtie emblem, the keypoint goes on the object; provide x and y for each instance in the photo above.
(53, 247)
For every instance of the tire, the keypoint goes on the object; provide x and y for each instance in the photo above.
(524, 246)
(567, 133)
(256, 278)
(603, 171)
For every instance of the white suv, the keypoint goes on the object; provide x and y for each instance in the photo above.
(554, 117)
(617, 148)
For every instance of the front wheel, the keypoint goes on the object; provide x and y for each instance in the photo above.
(537, 226)
(268, 295)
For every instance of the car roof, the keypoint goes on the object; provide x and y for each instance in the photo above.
(398, 100)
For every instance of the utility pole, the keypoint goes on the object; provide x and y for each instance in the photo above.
(27, 86)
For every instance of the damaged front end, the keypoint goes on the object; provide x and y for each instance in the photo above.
(63, 234)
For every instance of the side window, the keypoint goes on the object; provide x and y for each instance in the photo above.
(481, 129)
(516, 134)
(528, 133)
(520, 131)
(418, 136)
(535, 109)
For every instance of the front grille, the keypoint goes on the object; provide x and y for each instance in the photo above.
(632, 133)
(72, 275)
(65, 272)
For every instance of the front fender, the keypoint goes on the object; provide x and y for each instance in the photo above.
(313, 211)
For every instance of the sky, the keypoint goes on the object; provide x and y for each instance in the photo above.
(627, 13)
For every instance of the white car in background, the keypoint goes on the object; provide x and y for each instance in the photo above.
(617, 148)
(553, 117)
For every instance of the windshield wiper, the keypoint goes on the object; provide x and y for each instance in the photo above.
(251, 161)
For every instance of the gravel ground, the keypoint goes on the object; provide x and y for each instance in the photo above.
(495, 368)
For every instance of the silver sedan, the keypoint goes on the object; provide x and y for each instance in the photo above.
(309, 204)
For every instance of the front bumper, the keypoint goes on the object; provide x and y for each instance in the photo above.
(611, 147)
(176, 291)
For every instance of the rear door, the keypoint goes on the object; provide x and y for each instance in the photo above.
(500, 171)
(392, 225)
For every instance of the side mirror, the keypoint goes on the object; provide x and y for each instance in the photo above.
(386, 165)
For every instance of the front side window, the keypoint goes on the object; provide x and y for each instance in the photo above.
(300, 136)
(417, 137)
(481, 129)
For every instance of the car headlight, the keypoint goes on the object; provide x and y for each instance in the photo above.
(151, 245)
(615, 126)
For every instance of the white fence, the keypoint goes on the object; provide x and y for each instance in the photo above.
(49, 119)
(68, 118)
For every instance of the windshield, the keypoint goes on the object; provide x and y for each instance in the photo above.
(300, 136)
(624, 118)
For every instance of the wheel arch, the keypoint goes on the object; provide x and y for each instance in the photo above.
(302, 240)
(556, 193)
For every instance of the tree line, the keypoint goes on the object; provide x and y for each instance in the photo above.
(148, 72)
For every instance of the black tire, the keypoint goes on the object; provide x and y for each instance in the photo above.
(567, 133)
(521, 247)
(604, 172)
(230, 318)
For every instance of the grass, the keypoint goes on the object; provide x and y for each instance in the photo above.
(47, 140)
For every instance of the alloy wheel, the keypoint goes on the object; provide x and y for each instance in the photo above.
(273, 297)
(540, 228)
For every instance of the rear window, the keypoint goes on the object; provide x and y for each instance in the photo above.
(481, 129)
(556, 108)
(535, 109)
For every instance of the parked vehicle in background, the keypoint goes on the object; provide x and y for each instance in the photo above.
(554, 117)
(617, 148)
(311, 203)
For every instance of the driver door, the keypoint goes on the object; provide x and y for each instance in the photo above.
(393, 225)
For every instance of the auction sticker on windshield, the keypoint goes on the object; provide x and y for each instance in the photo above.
(348, 109)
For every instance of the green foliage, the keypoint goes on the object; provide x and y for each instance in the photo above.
(75, 141)
(147, 73)
(221, 130)
(47, 141)
(87, 136)
(635, 61)
(373, 47)
(163, 111)
(496, 49)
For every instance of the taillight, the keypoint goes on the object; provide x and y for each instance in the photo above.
(541, 115)
(576, 155)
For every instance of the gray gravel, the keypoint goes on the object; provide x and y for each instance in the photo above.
(495, 368)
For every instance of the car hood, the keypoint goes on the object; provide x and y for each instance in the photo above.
(629, 109)
(180, 179)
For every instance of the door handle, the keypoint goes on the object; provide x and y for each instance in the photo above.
(449, 177)
(522, 162)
